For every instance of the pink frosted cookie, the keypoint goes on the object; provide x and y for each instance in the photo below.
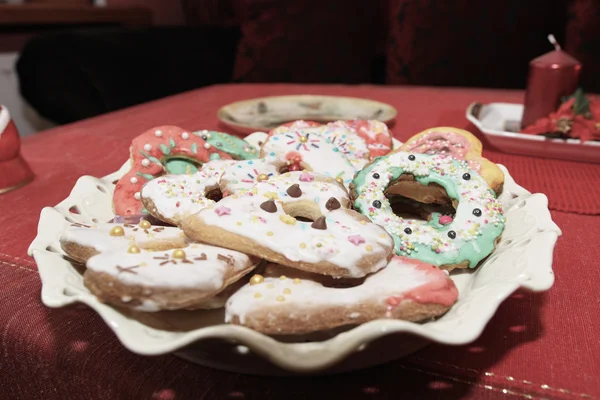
(375, 133)
(459, 144)
(149, 154)
(298, 219)
(405, 289)
(299, 124)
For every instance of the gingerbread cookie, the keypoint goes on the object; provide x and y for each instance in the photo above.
(151, 153)
(80, 242)
(405, 289)
(171, 198)
(459, 144)
(298, 219)
(188, 278)
(458, 241)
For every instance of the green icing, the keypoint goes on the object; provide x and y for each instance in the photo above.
(180, 166)
(237, 148)
(166, 150)
(473, 249)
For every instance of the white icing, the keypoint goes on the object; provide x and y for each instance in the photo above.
(256, 139)
(177, 196)
(201, 269)
(4, 119)
(242, 215)
(373, 129)
(318, 154)
(98, 236)
(309, 298)
(242, 175)
(396, 143)
(353, 146)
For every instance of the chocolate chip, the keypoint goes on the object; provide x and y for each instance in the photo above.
(332, 204)
(294, 190)
(319, 223)
(269, 206)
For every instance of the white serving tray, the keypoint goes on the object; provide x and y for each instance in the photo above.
(522, 259)
(496, 120)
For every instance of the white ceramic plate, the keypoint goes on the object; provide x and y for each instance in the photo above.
(499, 121)
(523, 258)
(266, 113)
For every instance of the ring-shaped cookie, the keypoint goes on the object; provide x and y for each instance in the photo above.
(298, 219)
(462, 241)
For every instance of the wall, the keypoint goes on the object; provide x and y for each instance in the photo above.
(166, 12)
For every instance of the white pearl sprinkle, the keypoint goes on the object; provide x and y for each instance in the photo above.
(158, 133)
(137, 195)
(185, 136)
(147, 147)
(133, 179)
(145, 162)
(207, 145)
(204, 131)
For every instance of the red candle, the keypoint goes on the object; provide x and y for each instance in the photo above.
(551, 76)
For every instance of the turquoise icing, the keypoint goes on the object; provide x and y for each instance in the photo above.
(237, 148)
(477, 223)
(180, 166)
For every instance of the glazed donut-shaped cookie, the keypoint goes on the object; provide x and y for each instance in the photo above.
(237, 148)
(303, 149)
(171, 198)
(150, 153)
(270, 221)
(462, 241)
(459, 144)
(341, 136)
(405, 289)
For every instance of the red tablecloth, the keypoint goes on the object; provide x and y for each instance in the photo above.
(536, 346)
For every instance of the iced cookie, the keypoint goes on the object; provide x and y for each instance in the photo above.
(459, 144)
(80, 242)
(243, 175)
(305, 150)
(187, 278)
(151, 154)
(171, 198)
(375, 133)
(449, 241)
(237, 148)
(298, 219)
(405, 289)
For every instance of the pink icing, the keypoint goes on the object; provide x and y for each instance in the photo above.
(221, 210)
(450, 143)
(445, 219)
(440, 290)
(356, 239)
(306, 177)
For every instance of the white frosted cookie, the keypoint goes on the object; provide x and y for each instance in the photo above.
(80, 242)
(298, 219)
(303, 149)
(185, 278)
(170, 198)
(256, 139)
(405, 289)
(340, 136)
(243, 175)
